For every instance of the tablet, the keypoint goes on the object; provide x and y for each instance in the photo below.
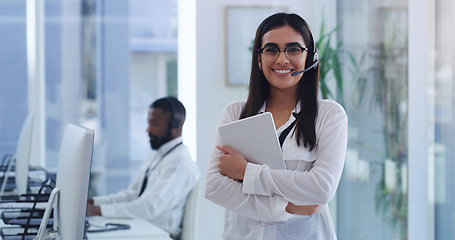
(255, 138)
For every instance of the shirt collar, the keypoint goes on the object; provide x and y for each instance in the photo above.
(167, 146)
(296, 109)
(291, 118)
(263, 107)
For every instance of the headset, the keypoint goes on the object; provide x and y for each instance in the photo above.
(175, 122)
(315, 60)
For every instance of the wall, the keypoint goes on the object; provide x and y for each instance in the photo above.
(212, 94)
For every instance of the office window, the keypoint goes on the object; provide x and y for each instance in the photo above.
(372, 196)
(105, 62)
(13, 74)
(126, 57)
(443, 165)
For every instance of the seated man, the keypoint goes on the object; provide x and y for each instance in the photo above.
(165, 179)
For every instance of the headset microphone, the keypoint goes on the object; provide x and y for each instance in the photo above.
(315, 62)
(306, 69)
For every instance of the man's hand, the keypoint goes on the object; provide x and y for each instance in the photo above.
(232, 164)
(302, 210)
(93, 210)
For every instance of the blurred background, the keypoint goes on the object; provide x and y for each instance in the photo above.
(100, 63)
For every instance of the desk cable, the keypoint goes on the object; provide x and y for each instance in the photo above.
(106, 228)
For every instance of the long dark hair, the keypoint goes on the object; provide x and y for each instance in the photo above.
(307, 91)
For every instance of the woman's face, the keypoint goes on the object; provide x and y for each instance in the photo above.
(278, 72)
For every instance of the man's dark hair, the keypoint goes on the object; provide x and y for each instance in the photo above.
(171, 105)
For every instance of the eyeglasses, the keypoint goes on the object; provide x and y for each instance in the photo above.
(293, 53)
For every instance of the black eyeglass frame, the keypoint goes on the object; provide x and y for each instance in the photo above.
(261, 51)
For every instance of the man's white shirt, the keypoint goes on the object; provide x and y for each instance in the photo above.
(168, 185)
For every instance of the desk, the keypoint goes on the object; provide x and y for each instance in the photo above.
(140, 230)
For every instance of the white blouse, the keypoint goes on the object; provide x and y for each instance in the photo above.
(255, 209)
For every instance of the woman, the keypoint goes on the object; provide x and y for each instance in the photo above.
(292, 203)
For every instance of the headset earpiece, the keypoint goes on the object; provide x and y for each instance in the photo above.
(314, 63)
(315, 57)
(175, 122)
(315, 60)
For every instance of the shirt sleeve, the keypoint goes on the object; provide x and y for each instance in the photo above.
(228, 193)
(319, 184)
(124, 195)
(167, 186)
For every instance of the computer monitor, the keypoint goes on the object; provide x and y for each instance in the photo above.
(70, 193)
(24, 145)
(73, 176)
(21, 159)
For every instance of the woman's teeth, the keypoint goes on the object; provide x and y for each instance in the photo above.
(282, 71)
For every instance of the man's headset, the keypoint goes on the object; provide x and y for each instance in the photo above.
(175, 122)
(315, 57)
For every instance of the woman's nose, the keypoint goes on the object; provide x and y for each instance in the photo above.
(282, 58)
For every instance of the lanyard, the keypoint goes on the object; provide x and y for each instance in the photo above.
(286, 131)
(144, 183)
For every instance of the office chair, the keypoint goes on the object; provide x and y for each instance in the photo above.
(189, 215)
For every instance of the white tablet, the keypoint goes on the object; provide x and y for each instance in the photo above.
(255, 138)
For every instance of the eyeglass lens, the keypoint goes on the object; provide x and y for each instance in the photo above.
(293, 53)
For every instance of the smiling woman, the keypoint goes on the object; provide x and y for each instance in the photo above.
(277, 67)
(270, 204)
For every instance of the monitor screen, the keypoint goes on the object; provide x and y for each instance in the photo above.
(73, 180)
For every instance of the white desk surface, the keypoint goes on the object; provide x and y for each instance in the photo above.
(140, 230)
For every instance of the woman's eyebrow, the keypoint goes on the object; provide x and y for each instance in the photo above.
(270, 44)
(293, 44)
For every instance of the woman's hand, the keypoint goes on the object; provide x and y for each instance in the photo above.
(232, 164)
(302, 210)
